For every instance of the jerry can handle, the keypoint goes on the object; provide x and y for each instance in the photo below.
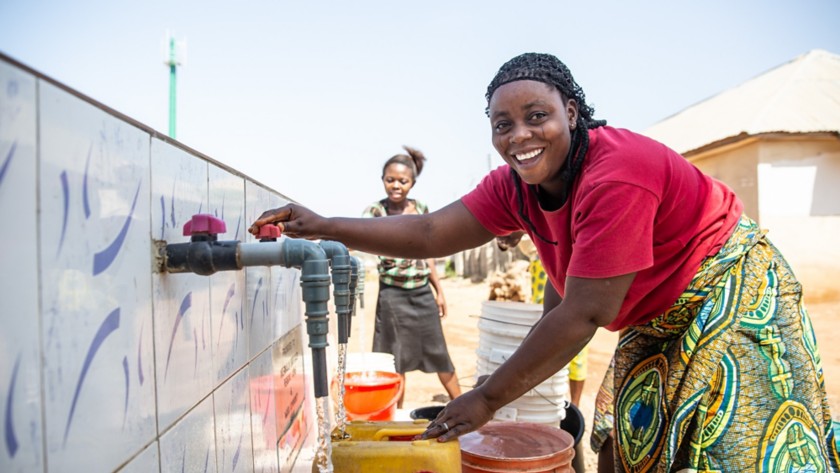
(382, 433)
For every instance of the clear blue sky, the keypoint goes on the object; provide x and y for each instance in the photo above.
(311, 98)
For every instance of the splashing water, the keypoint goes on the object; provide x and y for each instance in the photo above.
(341, 411)
(323, 457)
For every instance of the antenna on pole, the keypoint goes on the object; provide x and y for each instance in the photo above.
(174, 54)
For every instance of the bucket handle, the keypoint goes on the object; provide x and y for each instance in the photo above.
(390, 432)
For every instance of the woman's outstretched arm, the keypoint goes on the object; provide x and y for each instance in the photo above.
(440, 233)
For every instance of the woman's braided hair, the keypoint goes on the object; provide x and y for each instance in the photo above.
(547, 69)
(414, 160)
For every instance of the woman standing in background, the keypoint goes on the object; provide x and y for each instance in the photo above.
(408, 314)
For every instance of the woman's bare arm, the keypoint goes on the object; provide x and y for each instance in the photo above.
(551, 345)
(440, 233)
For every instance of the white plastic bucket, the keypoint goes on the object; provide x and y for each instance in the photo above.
(370, 361)
(501, 328)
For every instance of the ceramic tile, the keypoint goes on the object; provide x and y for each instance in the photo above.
(264, 412)
(259, 322)
(233, 425)
(189, 446)
(148, 461)
(95, 260)
(309, 444)
(183, 322)
(227, 289)
(126, 353)
(290, 394)
(285, 304)
(20, 373)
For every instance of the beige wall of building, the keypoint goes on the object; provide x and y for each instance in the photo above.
(791, 185)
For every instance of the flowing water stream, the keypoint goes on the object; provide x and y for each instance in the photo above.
(341, 411)
(323, 455)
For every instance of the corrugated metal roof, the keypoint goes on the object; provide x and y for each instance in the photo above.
(801, 96)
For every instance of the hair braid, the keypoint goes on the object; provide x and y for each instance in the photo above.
(547, 69)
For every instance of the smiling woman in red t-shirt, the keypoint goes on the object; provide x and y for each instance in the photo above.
(717, 366)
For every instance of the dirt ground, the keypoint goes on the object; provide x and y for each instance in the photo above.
(461, 329)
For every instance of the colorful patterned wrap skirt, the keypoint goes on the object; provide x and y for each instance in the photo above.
(727, 380)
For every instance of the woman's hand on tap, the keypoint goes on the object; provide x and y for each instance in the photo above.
(294, 220)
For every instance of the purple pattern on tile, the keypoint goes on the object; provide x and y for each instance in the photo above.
(244, 425)
(268, 397)
(103, 259)
(172, 208)
(185, 306)
(65, 190)
(206, 459)
(231, 292)
(204, 319)
(140, 355)
(162, 217)
(184, 459)
(9, 425)
(125, 373)
(12, 88)
(256, 293)
(109, 325)
(236, 454)
(195, 363)
(8, 161)
(85, 201)
(238, 225)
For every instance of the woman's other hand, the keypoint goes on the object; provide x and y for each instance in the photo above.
(441, 303)
(294, 220)
(461, 415)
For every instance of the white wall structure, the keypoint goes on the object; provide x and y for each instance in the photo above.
(106, 364)
(775, 140)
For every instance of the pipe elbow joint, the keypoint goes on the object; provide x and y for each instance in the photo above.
(295, 252)
(334, 248)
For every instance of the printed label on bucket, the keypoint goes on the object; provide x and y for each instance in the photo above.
(506, 414)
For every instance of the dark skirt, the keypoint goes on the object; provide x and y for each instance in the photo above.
(408, 326)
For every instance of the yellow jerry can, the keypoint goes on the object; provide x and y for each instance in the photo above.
(386, 447)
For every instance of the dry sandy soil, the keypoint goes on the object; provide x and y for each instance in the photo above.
(460, 326)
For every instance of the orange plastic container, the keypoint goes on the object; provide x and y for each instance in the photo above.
(370, 395)
(501, 447)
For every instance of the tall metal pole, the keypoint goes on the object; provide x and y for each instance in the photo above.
(172, 66)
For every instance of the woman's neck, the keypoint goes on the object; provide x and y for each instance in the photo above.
(396, 208)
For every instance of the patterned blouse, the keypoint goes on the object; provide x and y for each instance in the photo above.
(404, 273)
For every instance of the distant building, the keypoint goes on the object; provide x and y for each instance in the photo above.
(775, 140)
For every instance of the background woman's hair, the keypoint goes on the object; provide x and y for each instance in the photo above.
(413, 160)
(547, 69)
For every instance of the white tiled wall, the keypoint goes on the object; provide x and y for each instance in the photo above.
(106, 364)
(20, 372)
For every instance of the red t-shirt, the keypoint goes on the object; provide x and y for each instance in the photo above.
(636, 206)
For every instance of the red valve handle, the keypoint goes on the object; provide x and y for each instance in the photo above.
(269, 232)
(204, 223)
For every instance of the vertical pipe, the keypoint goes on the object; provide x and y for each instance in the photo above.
(354, 278)
(315, 283)
(341, 272)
